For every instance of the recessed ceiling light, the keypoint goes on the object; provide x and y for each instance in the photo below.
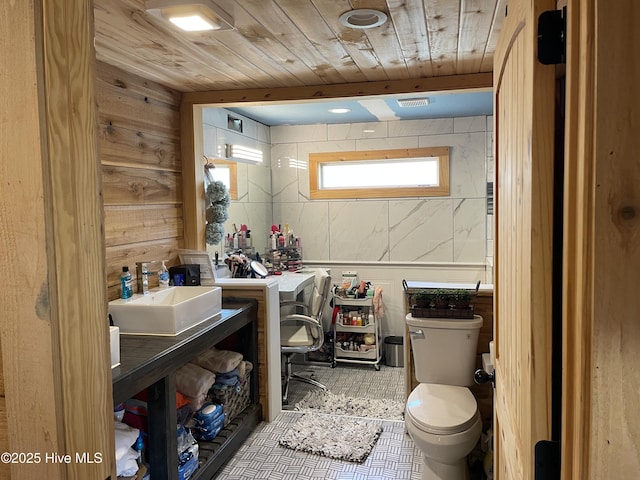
(363, 18)
(339, 110)
(368, 130)
(191, 15)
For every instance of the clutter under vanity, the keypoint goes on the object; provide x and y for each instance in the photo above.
(195, 390)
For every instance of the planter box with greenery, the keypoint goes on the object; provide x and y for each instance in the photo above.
(442, 303)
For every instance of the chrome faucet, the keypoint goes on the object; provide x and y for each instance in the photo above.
(143, 277)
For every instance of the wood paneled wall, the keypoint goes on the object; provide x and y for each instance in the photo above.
(601, 438)
(139, 148)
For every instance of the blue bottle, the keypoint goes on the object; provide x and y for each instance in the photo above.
(125, 283)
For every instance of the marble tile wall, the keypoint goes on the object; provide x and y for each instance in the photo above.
(444, 239)
(450, 229)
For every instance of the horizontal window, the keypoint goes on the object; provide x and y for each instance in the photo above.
(411, 172)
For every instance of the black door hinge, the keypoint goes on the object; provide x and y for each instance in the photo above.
(552, 29)
(547, 458)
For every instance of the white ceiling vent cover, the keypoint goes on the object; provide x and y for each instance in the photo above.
(363, 18)
(413, 102)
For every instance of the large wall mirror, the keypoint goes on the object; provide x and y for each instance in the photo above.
(267, 193)
(243, 159)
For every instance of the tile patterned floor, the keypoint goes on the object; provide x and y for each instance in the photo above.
(353, 380)
(394, 457)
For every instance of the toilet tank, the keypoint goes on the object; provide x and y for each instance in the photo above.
(444, 349)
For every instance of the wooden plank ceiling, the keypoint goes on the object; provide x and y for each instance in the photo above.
(294, 43)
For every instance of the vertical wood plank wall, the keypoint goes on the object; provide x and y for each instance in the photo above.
(56, 379)
(578, 241)
(139, 148)
(615, 368)
(23, 243)
(75, 242)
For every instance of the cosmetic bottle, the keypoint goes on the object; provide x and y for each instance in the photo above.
(163, 276)
(125, 283)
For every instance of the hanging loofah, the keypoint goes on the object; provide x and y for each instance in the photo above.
(209, 215)
(219, 213)
(212, 235)
(216, 194)
(218, 201)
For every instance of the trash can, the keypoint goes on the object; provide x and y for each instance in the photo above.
(394, 351)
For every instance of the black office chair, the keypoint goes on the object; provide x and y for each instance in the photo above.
(303, 332)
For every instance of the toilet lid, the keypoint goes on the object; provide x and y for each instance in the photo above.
(442, 409)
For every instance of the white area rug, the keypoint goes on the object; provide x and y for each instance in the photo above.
(350, 439)
(340, 404)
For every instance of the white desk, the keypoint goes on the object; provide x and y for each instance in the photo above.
(275, 289)
(291, 284)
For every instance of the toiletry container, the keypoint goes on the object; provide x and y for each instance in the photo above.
(163, 276)
(125, 283)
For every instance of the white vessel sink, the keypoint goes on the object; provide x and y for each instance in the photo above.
(114, 335)
(168, 311)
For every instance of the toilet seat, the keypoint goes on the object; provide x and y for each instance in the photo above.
(442, 409)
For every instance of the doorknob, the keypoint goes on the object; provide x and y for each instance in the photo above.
(482, 376)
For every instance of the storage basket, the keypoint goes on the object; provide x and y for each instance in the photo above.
(440, 301)
(442, 312)
(233, 400)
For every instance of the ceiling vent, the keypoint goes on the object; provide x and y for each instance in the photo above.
(362, 18)
(413, 102)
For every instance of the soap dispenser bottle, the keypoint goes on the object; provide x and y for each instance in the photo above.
(125, 283)
(163, 277)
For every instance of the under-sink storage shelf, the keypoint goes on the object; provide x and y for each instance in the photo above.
(150, 362)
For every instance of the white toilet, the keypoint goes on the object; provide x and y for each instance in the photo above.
(442, 414)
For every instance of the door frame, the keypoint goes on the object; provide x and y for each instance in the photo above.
(601, 424)
(578, 243)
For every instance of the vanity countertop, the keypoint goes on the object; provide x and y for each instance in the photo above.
(290, 284)
(414, 285)
(247, 282)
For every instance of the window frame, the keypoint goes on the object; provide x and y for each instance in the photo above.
(317, 159)
(233, 175)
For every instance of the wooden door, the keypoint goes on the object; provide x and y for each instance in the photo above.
(524, 132)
